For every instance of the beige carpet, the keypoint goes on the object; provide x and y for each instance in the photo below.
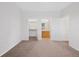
(42, 49)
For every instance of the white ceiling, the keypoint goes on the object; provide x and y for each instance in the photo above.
(42, 6)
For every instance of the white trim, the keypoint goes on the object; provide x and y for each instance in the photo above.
(39, 29)
(72, 46)
(51, 29)
(27, 29)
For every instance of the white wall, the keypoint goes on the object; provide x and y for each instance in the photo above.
(73, 12)
(60, 28)
(74, 31)
(10, 27)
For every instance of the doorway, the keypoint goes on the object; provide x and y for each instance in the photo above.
(45, 24)
(32, 29)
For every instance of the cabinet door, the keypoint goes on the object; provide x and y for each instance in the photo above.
(45, 34)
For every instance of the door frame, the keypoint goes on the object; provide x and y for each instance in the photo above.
(51, 28)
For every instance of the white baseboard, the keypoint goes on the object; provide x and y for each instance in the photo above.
(73, 47)
(10, 48)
